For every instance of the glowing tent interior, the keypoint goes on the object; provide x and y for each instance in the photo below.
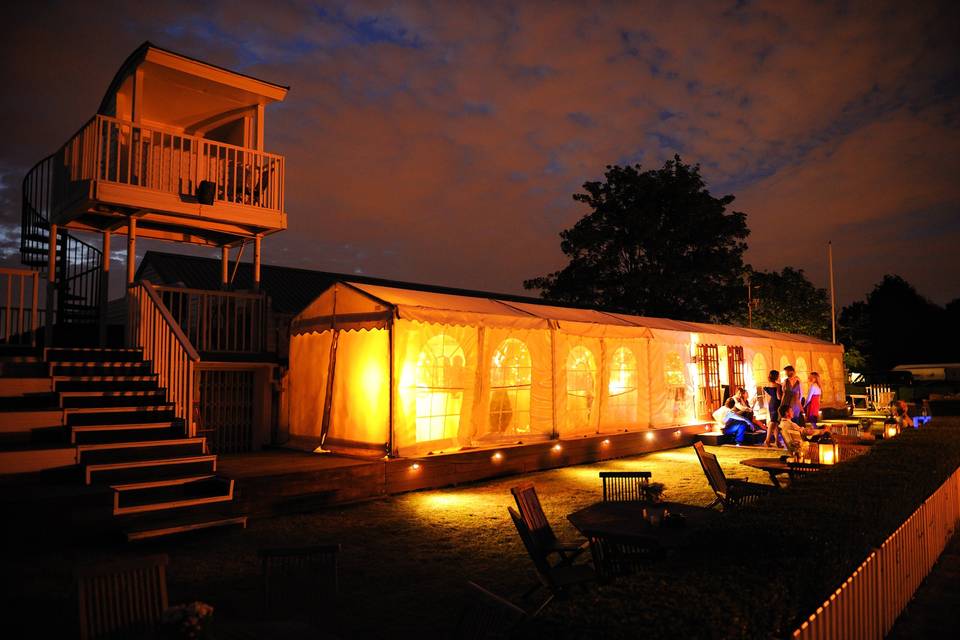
(404, 371)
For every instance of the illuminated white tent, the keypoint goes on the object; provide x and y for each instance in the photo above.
(406, 371)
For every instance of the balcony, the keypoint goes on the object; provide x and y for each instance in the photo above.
(178, 186)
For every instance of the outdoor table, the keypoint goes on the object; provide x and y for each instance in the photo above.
(625, 519)
(773, 466)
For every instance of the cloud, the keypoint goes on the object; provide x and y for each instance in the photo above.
(441, 143)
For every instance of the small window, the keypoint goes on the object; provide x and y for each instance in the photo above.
(760, 371)
(511, 373)
(581, 384)
(440, 382)
(802, 370)
(622, 387)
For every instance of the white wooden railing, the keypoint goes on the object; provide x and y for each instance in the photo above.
(868, 603)
(165, 346)
(881, 396)
(18, 306)
(165, 160)
(228, 322)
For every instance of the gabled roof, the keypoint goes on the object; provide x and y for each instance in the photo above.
(293, 290)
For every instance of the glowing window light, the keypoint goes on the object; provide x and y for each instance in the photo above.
(673, 370)
(511, 374)
(581, 384)
(622, 386)
(440, 379)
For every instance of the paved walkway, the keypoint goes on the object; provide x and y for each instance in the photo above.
(935, 608)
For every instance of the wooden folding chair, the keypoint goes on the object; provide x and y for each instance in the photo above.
(615, 556)
(528, 503)
(732, 492)
(625, 486)
(800, 469)
(559, 579)
(122, 599)
(487, 615)
(300, 579)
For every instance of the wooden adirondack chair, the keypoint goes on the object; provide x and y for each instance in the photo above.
(615, 556)
(625, 486)
(300, 579)
(487, 615)
(557, 579)
(528, 503)
(122, 599)
(730, 492)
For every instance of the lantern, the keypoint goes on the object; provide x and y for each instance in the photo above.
(891, 430)
(829, 453)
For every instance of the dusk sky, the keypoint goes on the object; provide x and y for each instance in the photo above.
(441, 142)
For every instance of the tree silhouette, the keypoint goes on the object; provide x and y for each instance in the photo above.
(654, 243)
(787, 301)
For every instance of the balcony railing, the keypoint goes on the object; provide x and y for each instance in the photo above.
(219, 322)
(121, 152)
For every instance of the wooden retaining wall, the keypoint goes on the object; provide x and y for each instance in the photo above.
(868, 603)
(305, 489)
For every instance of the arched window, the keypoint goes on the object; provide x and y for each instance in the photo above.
(622, 387)
(760, 371)
(511, 372)
(673, 370)
(440, 381)
(836, 371)
(581, 384)
(802, 370)
(784, 361)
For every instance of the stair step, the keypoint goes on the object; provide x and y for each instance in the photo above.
(92, 354)
(72, 411)
(183, 525)
(142, 497)
(89, 388)
(108, 452)
(110, 400)
(155, 469)
(121, 432)
(115, 416)
(29, 402)
(73, 369)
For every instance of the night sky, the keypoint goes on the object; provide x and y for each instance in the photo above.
(441, 142)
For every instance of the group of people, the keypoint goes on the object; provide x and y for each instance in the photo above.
(786, 406)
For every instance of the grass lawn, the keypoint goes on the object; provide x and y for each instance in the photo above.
(405, 558)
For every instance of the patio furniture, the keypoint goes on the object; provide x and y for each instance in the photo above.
(732, 492)
(625, 520)
(528, 503)
(299, 579)
(775, 467)
(122, 599)
(615, 556)
(487, 615)
(557, 579)
(802, 469)
(625, 486)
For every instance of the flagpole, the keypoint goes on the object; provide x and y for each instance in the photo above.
(833, 304)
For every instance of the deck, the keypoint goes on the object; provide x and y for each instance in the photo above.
(286, 480)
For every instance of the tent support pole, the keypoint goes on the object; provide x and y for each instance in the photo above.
(649, 388)
(328, 394)
(391, 442)
(553, 377)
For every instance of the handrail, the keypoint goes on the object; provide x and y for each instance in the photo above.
(18, 321)
(166, 348)
(227, 322)
(224, 294)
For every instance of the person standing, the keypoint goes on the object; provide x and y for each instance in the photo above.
(814, 392)
(773, 392)
(793, 394)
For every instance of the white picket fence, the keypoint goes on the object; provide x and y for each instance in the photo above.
(867, 604)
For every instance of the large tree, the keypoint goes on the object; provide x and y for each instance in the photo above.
(897, 325)
(787, 301)
(654, 243)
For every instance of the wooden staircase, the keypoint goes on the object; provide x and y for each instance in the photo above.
(130, 444)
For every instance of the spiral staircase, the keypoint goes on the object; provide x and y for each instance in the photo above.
(78, 269)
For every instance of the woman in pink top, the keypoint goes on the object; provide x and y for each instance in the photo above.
(812, 408)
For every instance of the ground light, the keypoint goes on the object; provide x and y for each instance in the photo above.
(557, 448)
(415, 466)
(649, 435)
(497, 457)
(606, 442)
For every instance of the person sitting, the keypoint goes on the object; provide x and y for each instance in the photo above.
(735, 424)
(901, 416)
(744, 408)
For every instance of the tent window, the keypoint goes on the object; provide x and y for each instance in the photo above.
(581, 384)
(784, 361)
(623, 385)
(802, 370)
(760, 371)
(511, 372)
(440, 381)
(837, 375)
(673, 370)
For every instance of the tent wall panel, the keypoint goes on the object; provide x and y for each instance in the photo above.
(625, 400)
(309, 364)
(576, 384)
(361, 389)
